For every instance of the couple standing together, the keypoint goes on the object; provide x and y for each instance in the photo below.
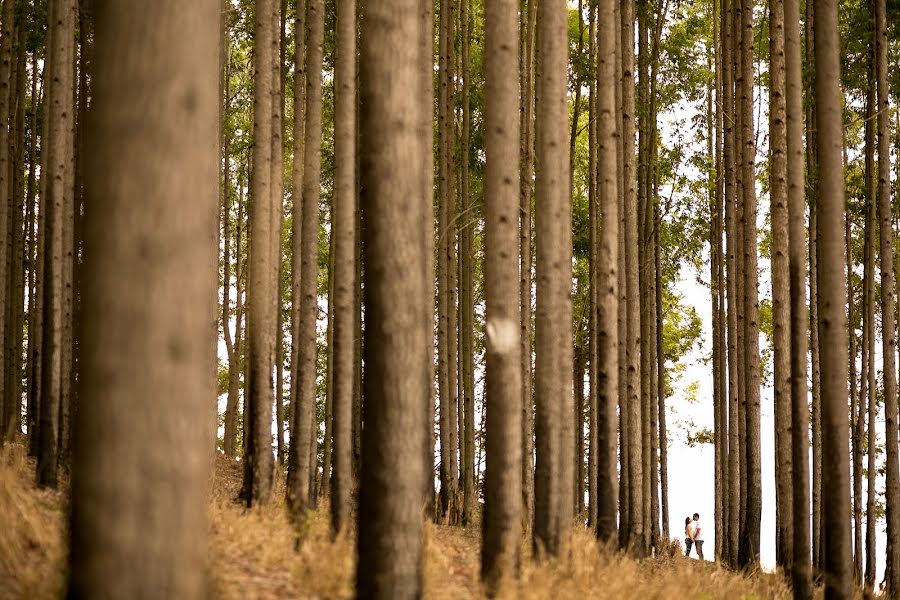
(693, 536)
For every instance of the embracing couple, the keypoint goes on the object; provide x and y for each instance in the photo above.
(693, 536)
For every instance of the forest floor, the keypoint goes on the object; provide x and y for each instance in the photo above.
(255, 554)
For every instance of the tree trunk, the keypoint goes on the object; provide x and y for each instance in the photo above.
(832, 297)
(228, 436)
(467, 285)
(503, 501)
(390, 542)
(122, 472)
(812, 187)
(278, 19)
(796, 199)
(644, 300)
(636, 541)
(261, 288)
(753, 492)
(525, 280)
(553, 320)
(869, 392)
(446, 263)
(61, 36)
(302, 466)
(427, 127)
(892, 576)
(607, 316)
(593, 266)
(297, 190)
(343, 231)
(622, 271)
(329, 360)
(7, 33)
(36, 304)
(781, 340)
(663, 439)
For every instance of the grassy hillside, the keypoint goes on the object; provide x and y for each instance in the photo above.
(258, 554)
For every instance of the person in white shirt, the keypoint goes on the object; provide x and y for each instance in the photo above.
(698, 536)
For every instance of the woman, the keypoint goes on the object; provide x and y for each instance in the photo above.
(688, 536)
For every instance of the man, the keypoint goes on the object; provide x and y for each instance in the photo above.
(698, 536)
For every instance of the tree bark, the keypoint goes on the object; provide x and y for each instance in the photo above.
(607, 317)
(7, 33)
(143, 134)
(302, 466)
(446, 307)
(553, 321)
(390, 541)
(796, 198)
(525, 279)
(837, 561)
(636, 529)
(61, 35)
(892, 492)
(868, 375)
(261, 288)
(503, 501)
(467, 284)
(297, 178)
(343, 230)
(753, 492)
(781, 340)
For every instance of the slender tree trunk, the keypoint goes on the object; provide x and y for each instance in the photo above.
(228, 436)
(16, 285)
(427, 126)
(303, 434)
(868, 373)
(343, 230)
(553, 323)
(644, 300)
(503, 502)
(799, 324)
(261, 288)
(390, 543)
(329, 361)
(234, 358)
(622, 272)
(832, 296)
(812, 187)
(661, 385)
(122, 472)
(66, 401)
(781, 340)
(525, 280)
(446, 264)
(61, 36)
(731, 240)
(719, 317)
(715, 242)
(33, 257)
(297, 190)
(278, 18)
(637, 541)
(7, 33)
(855, 402)
(467, 285)
(608, 279)
(892, 494)
(753, 493)
(593, 266)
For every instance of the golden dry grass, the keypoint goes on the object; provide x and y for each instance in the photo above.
(257, 554)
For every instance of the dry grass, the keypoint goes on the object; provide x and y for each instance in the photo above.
(258, 554)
